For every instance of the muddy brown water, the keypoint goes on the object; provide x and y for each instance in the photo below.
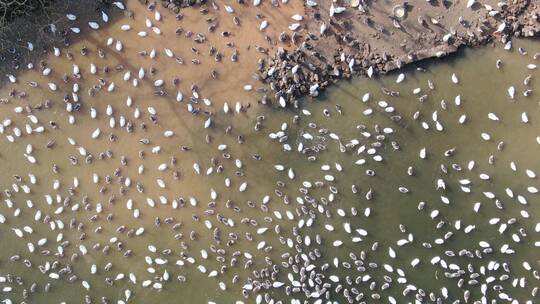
(482, 87)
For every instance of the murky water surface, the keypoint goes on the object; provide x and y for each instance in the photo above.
(427, 194)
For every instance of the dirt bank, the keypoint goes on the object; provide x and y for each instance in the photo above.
(339, 40)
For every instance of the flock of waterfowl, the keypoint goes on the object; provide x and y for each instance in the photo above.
(416, 187)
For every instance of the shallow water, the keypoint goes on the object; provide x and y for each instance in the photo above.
(482, 87)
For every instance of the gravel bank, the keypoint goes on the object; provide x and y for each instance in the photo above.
(345, 38)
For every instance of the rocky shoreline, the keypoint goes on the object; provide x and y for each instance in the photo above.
(338, 46)
(176, 5)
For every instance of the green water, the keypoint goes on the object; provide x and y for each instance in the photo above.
(483, 89)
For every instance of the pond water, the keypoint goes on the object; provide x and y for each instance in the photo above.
(371, 194)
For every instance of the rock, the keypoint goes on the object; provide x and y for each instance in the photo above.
(284, 37)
